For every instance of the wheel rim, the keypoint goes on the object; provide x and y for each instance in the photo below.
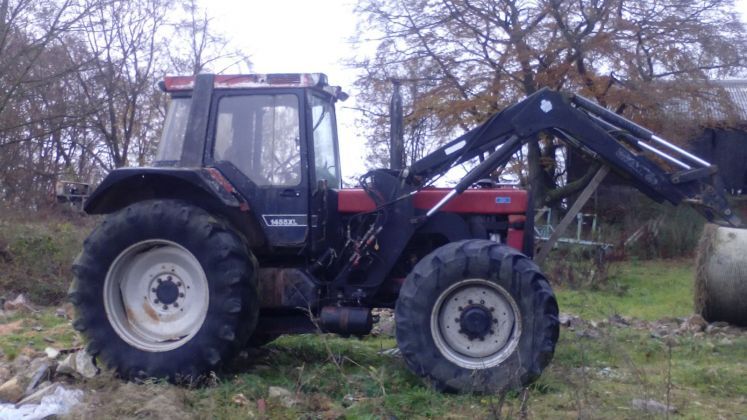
(156, 295)
(476, 324)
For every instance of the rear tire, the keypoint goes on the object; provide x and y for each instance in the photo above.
(164, 289)
(477, 316)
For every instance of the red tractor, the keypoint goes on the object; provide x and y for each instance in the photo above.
(241, 231)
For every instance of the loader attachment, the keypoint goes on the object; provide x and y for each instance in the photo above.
(658, 168)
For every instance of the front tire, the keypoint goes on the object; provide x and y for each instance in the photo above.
(164, 289)
(477, 316)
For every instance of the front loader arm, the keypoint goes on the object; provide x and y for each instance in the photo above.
(610, 138)
(617, 143)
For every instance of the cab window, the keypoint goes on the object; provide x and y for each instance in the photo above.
(325, 144)
(259, 134)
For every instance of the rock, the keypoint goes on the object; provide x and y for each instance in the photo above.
(43, 391)
(598, 324)
(51, 352)
(385, 324)
(38, 370)
(27, 378)
(66, 311)
(21, 363)
(5, 373)
(589, 333)
(652, 406)
(286, 397)
(13, 389)
(608, 372)
(710, 329)
(569, 321)
(67, 365)
(621, 321)
(240, 400)
(695, 323)
(84, 364)
(349, 400)
(279, 392)
(18, 304)
(79, 363)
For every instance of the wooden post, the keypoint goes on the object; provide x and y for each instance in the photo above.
(572, 212)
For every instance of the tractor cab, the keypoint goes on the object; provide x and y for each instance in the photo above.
(273, 137)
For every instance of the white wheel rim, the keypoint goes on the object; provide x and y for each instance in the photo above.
(485, 297)
(156, 295)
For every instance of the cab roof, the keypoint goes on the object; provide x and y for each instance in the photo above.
(253, 81)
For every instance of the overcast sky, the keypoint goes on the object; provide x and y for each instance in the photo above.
(305, 36)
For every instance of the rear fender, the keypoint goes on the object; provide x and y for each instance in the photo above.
(127, 185)
(204, 187)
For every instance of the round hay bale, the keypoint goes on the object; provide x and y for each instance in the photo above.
(721, 275)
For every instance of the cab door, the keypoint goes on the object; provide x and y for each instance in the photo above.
(258, 145)
(325, 172)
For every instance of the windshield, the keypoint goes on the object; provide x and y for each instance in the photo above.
(172, 139)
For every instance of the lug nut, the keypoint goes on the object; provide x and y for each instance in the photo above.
(179, 284)
(159, 280)
(482, 302)
(168, 278)
(156, 301)
(492, 332)
(470, 301)
(492, 309)
(461, 309)
(153, 290)
(456, 320)
(181, 294)
(176, 304)
(165, 306)
(495, 320)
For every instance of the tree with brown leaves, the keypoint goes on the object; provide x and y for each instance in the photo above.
(460, 61)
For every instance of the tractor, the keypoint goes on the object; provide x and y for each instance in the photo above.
(241, 231)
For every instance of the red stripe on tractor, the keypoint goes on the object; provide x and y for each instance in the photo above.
(484, 201)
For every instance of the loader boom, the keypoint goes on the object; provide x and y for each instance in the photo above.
(624, 146)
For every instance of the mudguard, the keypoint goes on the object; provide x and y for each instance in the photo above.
(127, 185)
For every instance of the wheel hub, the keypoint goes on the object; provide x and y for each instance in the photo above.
(167, 291)
(475, 322)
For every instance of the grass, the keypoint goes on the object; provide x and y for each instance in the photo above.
(332, 377)
(35, 258)
(31, 333)
(649, 290)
